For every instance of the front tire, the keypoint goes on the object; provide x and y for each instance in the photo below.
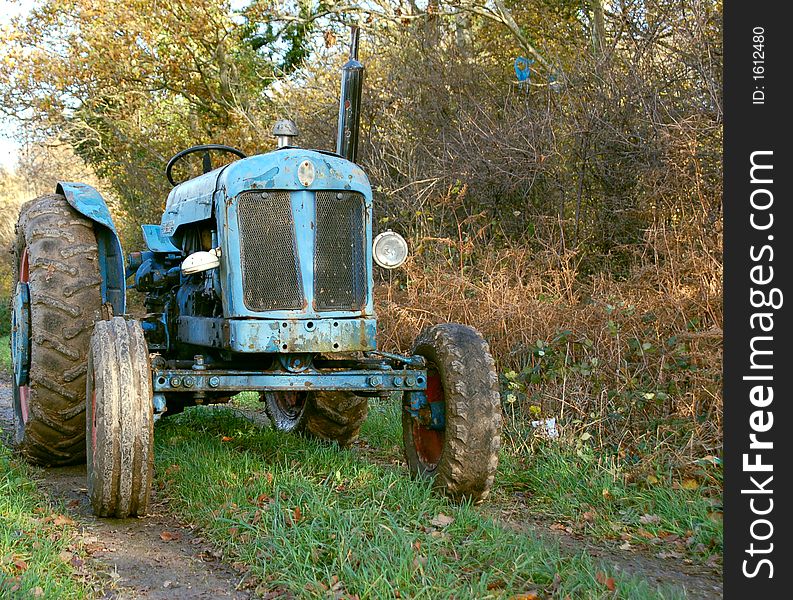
(461, 458)
(119, 420)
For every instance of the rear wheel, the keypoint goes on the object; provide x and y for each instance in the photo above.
(286, 410)
(335, 416)
(119, 423)
(461, 455)
(327, 415)
(57, 298)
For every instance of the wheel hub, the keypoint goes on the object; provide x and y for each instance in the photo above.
(429, 423)
(20, 334)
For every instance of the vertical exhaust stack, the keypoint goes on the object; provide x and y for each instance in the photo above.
(350, 101)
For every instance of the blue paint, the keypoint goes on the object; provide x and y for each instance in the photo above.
(279, 336)
(88, 202)
(431, 415)
(156, 241)
(20, 333)
(195, 200)
(363, 380)
(332, 173)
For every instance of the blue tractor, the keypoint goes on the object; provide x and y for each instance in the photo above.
(258, 277)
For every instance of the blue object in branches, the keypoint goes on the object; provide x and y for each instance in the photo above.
(523, 69)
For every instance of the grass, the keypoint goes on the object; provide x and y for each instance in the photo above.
(36, 540)
(5, 355)
(304, 518)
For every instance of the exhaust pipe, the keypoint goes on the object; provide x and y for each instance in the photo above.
(350, 102)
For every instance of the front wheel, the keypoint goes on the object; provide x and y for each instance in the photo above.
(461, 453)
(119, 420)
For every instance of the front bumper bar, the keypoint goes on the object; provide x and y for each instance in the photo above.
(186, 380)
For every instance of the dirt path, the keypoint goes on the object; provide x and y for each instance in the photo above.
(701, 582)
(138, 563)
(130, 553)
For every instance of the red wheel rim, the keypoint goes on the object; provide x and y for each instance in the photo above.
(429, 442)
(24, 390)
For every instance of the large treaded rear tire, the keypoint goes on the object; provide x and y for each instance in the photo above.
(119, 420)
(65, 300)
(335, 416)
(466, 451)
(326, 415)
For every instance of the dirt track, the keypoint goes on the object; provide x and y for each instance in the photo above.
(138, 563)
(130, 553)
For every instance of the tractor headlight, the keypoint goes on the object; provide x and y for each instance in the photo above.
(389, 250)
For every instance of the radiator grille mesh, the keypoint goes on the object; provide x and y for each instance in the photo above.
(340, 258)
(270, 267)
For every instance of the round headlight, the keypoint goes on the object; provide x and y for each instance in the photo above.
(306, 173)
(390, 250)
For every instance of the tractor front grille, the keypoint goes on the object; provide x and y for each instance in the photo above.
(270, 265)
(340, 252)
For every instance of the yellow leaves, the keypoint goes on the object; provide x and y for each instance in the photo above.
(689, 484)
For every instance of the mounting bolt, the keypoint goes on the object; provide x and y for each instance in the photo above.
(176, 382)
(214, 382)
(188, 381)
(410, 381)
(398, 381)
(375, 381)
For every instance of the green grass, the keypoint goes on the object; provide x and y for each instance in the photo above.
(31, 563)
(5, 354)
(303, 517)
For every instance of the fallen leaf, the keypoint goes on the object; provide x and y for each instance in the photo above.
(532, 595)
(442, 520)
(716, 516)
(66, 556)
(20, 564)
(38, 592)
(690, 484)
(588, 516)
(649, 519)
(652, 480)
(62, 520)
(606, 494)
(73, 503)
(297, 514)
(168, 536)
(626, 546)
(606, 580)
(645, 534)
(226, 438)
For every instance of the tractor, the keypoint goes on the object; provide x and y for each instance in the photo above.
(259, 278)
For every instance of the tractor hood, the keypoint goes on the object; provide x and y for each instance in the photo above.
(195, 200)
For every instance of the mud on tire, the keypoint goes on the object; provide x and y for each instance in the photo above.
(462, 459)
(119, 420)
(335, 416)
(58, 248)
(326, 415)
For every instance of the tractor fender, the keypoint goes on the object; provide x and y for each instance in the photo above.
(89, 203)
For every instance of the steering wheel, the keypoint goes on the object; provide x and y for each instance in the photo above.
(207, 162)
